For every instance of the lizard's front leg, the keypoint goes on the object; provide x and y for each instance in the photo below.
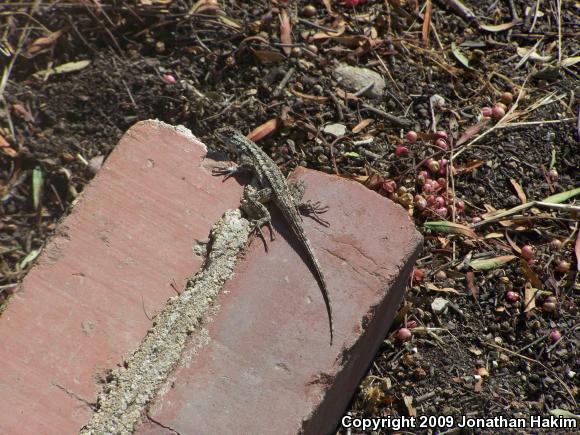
(252, 205)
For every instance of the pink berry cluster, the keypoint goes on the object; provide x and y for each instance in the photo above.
(499, 110)
(432, 196)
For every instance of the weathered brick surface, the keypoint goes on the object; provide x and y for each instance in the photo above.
(268, 367)
(263, 364)
(114, 259)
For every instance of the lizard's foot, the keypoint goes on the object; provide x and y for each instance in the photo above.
(258, 230)
(225, 172)
(314, 209)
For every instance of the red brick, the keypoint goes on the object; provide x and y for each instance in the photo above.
(114, 259)
(268, 366)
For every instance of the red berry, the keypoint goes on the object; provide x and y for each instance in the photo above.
(411, 324)
(555, 335)
(418, 274)
(420, 203)
(401, 150)
(563, 266)
(442, 212)
(486, 111)
(439, 202)
(512, 296)
(403, 335)
(389, 186)
(498, 112)
(441, 134)
(527, 252)
(168, 78)
(441, 144)
(411, 136)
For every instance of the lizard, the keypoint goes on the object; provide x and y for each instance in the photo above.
(272, 186)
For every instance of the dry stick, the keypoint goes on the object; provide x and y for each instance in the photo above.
(460, 8)
(559, 6)
(539, 363)
(336, 103)
(401, 122)
(511, 211)
(535, 16)
(317, 26)
(284, 82)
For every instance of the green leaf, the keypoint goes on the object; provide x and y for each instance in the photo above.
(450, 228)
(64, 68)
(564, 413)
(562, 196)
(460, 56)
(30, 257)
(491, 263)
(37, 181)
(351, 154)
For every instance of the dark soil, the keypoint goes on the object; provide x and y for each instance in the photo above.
(204, 69)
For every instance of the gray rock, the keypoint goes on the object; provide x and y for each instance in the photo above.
(337, 130)
(439, 305)
(355, 79)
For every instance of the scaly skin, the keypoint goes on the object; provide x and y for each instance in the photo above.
(273, 186)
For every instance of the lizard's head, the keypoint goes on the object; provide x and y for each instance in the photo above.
(230, 138)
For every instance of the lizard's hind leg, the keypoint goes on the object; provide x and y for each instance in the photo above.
(307, 208)
(255, 210)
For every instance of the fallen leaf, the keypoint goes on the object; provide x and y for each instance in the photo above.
(531, 275)
(229, 21)
(472, 131)
(409, 404)
(350, 41)
(498, 27)
(351, 154)
(268, 56)
(263, 130)
(30, 257)
(3, 142)
(470, 277)
(434, 288)
(427, 22)
(493, 236)
(563, 196)
(491, 263)
(577, 251)
(463, 60)
(519, 191)
(362, 125)
(529, 297)
(450, 228)
(344, 95)
(285, 32)
(570, 61)
(563, 413)
(64, 68)
(530, 53)
(315, 98)
(470, 166)
(44, 42)
(475, 351)
(37, 182)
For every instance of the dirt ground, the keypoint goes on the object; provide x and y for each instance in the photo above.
(491, 88)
